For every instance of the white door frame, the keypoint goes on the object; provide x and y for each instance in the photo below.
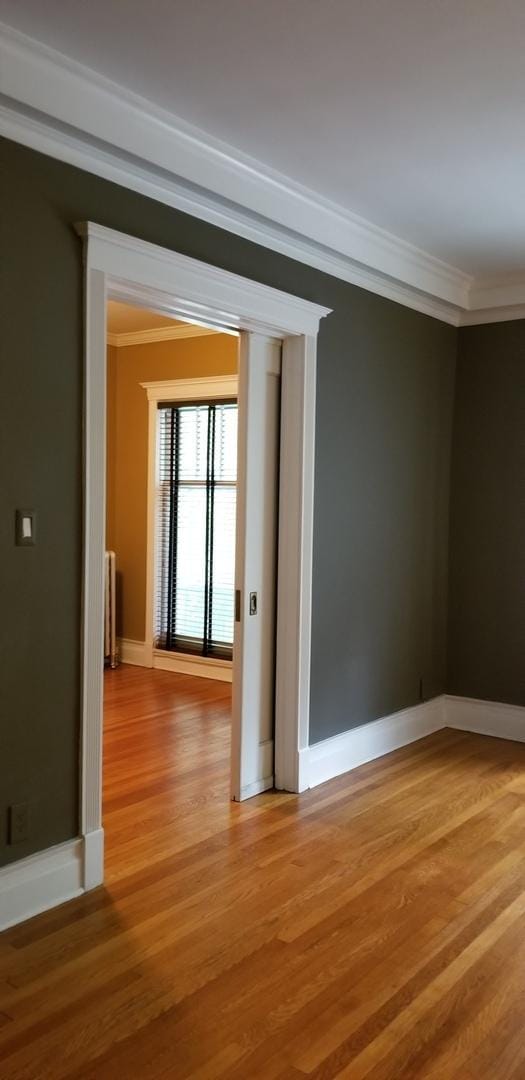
(122, 267)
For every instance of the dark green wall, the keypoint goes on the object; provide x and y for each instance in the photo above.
(487, 537)
(384, 426)
(385, 389)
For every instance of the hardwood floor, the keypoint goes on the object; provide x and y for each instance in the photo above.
(373, 927)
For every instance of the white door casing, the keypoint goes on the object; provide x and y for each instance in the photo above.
(253, 704)
(121, 267)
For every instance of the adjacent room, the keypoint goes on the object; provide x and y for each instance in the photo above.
(171, 470)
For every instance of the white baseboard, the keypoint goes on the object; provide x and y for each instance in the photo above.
(332, 757)
(48, 878)
(40, 882)
(134, 652)
(485, 717)
(140, 654)
(204, 667)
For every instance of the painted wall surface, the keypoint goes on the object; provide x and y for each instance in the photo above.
(384, 411)
(383, 436)
(487, 538)
(126, 507)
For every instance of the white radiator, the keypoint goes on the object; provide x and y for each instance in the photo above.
(110, 612)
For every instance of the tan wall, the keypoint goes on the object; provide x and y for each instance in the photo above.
(127, 448)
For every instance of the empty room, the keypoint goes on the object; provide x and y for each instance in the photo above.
(262, 708)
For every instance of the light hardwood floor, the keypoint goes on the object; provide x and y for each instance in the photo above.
(373, 927)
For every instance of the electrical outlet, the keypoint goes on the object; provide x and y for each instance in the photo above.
(18, 822)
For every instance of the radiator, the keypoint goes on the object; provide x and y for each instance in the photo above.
(110, 612)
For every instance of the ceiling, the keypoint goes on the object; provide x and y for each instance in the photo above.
(125, 319)
(409, 114)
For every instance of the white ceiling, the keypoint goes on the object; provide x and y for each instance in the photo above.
(408, 113)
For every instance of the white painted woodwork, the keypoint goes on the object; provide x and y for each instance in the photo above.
(126, 269)
(253, 707)
(94, 559)
(64, 109)
(294, 583)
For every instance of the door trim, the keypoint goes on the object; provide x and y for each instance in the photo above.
(121, 267)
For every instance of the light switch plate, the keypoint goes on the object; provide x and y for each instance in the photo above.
(25, 528)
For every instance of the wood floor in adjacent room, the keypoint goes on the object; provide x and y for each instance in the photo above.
(373, 927)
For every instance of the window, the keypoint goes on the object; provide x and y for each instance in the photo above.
(195, 527)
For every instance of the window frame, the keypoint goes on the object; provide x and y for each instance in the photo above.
(186, 644)
(177, 391)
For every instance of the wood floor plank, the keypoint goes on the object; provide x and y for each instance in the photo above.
(373, 927)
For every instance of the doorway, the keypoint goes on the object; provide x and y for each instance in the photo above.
(173, 419)
(124, 269)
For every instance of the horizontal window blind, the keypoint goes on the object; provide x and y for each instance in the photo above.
(195, 527)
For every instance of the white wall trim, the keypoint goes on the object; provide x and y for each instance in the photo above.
(93, 858)
(493, 718)
(159, 333)
(139, 654)
(217, 386)
(481, 316)
(64, 109)
(40, 882)
(342, 753)
(501, 291)
(134, 652)
(188, 288)
(120, 267)
(201, 666)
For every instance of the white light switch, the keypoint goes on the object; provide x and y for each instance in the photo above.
(25, 527)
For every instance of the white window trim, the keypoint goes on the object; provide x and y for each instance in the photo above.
(123, 268)
(178, 390)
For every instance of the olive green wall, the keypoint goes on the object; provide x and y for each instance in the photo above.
(385, 388)
(487, 536)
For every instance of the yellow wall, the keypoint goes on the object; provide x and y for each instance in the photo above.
(127, 451)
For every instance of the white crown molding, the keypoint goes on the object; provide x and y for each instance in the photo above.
(495, 299)
(159, 333)
(506, 290)
(492, 315)
(69, 111)
(63, 109)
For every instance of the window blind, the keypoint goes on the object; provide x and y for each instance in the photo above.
(195, 527)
